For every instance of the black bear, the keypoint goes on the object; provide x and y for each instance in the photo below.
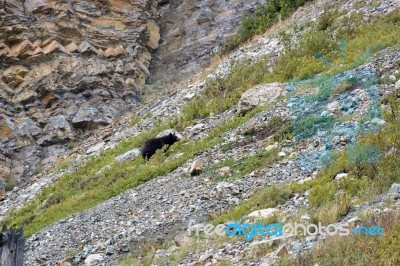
(151, 145)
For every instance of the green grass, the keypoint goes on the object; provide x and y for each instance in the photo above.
(10, 183)
(319, 50)
(223, 93)
(373, 165)
(276, 127)
(356, 250)
(268, 197)
(262, 19)
(244, 165)
(307, 126)
(84, 188)
(330, 200)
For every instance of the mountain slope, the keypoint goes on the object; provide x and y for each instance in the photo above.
(260, 149)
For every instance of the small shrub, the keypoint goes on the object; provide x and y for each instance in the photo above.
(262, 19)
(360, 157)
(344, 86)
(38, 169)
(267, 198)
(73, 144)
(327, 19)
(358, 250)
(53, 199)
(10, 183)
(250, 132)
(284, 133)
(309, 125)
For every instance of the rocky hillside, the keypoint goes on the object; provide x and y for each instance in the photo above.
(298, 124)
(71, 67)
(192, 32)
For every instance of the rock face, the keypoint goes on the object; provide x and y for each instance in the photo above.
(192, 31)
(67, 67)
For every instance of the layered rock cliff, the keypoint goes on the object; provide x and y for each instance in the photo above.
(70, 67)
(67, 67)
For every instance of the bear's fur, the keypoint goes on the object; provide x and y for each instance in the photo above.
(151, 145)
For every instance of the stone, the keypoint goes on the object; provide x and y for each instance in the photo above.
(354, 221)
(196, 168)
(5, 171)
(160, 254)
(333, 107)
(341, 175)
(54, 46)
(264, 213)
(204, 257)
(2, 192)
(189, 96)
(129, 155)
(33, 6)
(28, 128)
(305, 218)
(109, 52)
(260, 95)
(25, 97)
(87, 48)
(182, 239)
(14, 75)
(93, 259)
(72, 48)
(257, 174)
(130, 83)
(168, 131)
(282, 154)
(84, 116)
(58, 122)
(378, 121)
(224, 170)
(22, 47)
(66, 262)
(96, 148)
(198, 127)
(114, 51)
(272, 146)
(397, 84)
(36, 51)
(5, 52)
(302, 181)
(154, 35)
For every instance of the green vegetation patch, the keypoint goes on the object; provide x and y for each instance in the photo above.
(356, 250)
(86, 187)
(344, 44)
(262, 19)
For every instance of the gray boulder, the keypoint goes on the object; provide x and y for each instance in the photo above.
(260, 95)
(127, 155)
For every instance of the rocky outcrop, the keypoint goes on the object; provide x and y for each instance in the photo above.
(67, 67)
(193, 31)
(260, 95)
